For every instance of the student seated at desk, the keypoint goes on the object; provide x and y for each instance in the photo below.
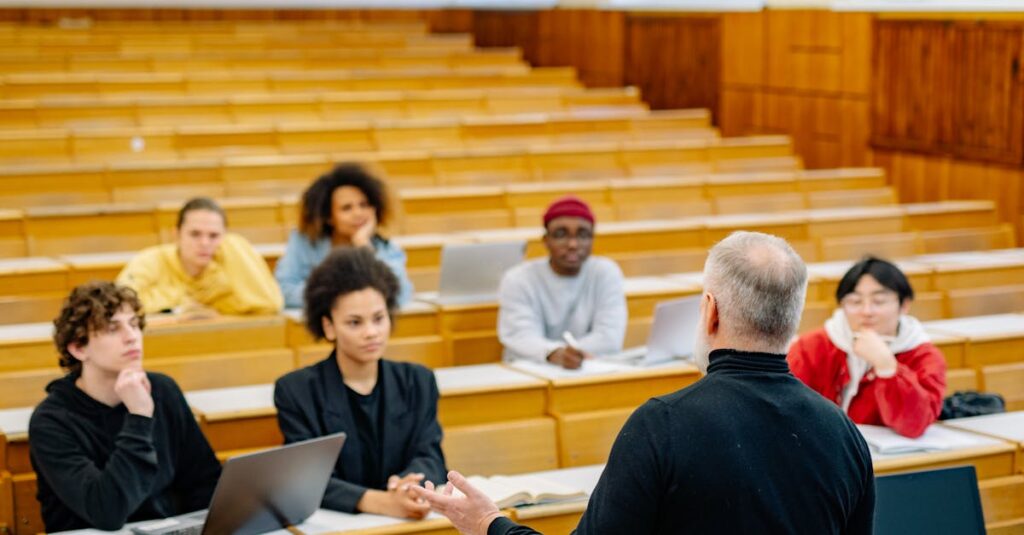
(568, 291)
(388, 409)
(343, 208)
(112, 443)
(871, 358)
(206, 271)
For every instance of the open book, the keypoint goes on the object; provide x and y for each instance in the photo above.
(513, 491)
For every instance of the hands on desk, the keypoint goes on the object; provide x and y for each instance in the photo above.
(398, 500)
(471, 514)
(568, 357)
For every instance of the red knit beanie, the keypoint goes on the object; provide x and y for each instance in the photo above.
(568, 206)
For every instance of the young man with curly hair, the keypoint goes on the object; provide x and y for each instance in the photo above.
(112, 443)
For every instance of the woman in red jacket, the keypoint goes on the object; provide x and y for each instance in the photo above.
(871, 358)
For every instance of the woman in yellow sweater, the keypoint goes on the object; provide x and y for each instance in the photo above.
(205, 270)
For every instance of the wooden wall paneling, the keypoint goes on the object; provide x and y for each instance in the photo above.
(987, 98)
(913, 75)
(674, 60)
(589, 40)
(508, 28)
(743, 54)
(450, 20)
(741, 111)
(856, 53)
(855, 132)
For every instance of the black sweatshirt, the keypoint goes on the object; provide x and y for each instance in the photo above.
(101, 467)
(747, 449)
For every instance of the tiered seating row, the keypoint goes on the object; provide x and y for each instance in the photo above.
(253, 175)
(274, 109)
(273, 60)
(169, 143)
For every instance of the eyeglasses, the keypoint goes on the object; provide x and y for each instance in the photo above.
(562, 235)
(857, 302)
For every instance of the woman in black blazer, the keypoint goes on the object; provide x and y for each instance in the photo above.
(388, 409)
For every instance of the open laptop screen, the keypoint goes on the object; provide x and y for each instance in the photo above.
(929, 502)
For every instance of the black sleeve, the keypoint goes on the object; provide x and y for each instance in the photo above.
(503, 526)
(292, 418)
(106, 497)
(862, 520)
(629, 491)
(427, 457)
(197, 469)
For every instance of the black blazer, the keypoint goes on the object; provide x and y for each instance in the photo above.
(312, 402)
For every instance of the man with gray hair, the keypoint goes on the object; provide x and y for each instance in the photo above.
(747, 449)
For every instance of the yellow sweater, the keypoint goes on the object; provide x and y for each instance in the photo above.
(237, 281)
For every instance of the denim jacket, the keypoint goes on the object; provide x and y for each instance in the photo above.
(301, 256)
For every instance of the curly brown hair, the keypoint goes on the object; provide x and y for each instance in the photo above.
(316, 206)
(87, 310)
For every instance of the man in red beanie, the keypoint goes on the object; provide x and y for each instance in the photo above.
(566, 307)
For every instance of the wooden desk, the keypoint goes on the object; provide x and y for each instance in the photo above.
(237, 418)
(32, 289)
(990, 339)
(94, 266)
(21, 480)
(223, 334)
(1007, 426)
(975, 269)
(591, 404)
(1002, 499)
(26, 346)
(991, 457)
(495, 420)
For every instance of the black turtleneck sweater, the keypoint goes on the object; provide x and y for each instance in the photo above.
(101, 467)
(747, 449)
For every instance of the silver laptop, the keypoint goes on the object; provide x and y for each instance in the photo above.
(672, 335)
(471, 272)
(261, 492)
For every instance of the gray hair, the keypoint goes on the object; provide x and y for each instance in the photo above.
(759, 283)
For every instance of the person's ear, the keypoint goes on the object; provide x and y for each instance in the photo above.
(905, 307)
(77, 351)
(328, 326)
(709, 311)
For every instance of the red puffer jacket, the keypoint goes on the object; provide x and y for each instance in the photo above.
(907, 402)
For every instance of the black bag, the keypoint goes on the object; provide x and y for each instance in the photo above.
(971, 403)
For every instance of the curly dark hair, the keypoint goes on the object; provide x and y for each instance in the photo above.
(88, 309)
(346, 270)
(315, 209)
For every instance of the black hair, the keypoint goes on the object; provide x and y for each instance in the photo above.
(317, 201)
(883, 271)
(346, 270)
